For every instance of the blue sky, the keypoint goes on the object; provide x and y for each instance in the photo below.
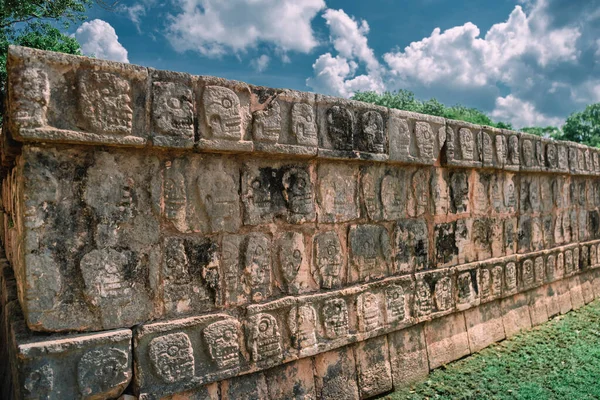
(528, 62)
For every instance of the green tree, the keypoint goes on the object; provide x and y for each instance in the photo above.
(583, 127)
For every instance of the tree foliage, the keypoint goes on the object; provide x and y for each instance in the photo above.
(583, 127)
(547, 132)
(405, 100)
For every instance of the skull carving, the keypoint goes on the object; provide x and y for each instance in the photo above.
(443, 294)
(328, 259)
(256, 196)
(172, 357)
(39, 383)
(304, 126)
(459, 192)
(176, 264)
(528, 155)
(487, 148)
(265, 339)
(560, 266)
(539, 153)
(539, 269)
(32, 95)
(267, 124)
(174, 193)
(368, 312)
(222, 113)
(527, 274)
(501, 149)
(422, 299)
(510, 276)
(369, 189)
(103, 371)
(465, 138)
(551, 267)
(485, 280)
(222, 338)
(291, 259)
(372, 137)
(393, 197)
(219, 190)
(302, 322)
(335, 318)
(298, 191)
(395, 303)
(513, 150)
(172, 109)
(257, 266)
(340, 126)
(424, 138)
(497, 280)
(551, 156)
(465, 287)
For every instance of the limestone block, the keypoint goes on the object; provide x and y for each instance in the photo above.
(537, 306)
(532, 271)
(434, 294)
(245, 387)
(576, 293)
(563, 296)
(373, 367)
(292, 381)
(515, 314)
(408, 356)
(533, 154)
(173, 109)
(445, 244)
(278, 191)
(224, 115)
(447, 339)
(86, 214)
(410, 246)
(494, 147)
(208, 392)
(351, 129)
(337, 194)
(491, 280)
(463, 144)
(335, 375)
(294, 275)
(90, 366)
(484, 234)
(481, 192)
(54, 97)
(467, 286)
(284, 121)
(440, 192)
(416, 138)
(183, 355)
(418, 192)
(459, 192)
(329, 259)
(562, 151)
(370, 251)
(484, 325)
(586, 288)
(383, 192)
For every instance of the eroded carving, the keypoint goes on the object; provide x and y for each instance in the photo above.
(298, 194)
(267, 124)
(340, 127)
(102, 371)
(442, 294)
(172, 357)
(335, 318)
(39, 383)
(264, 339)
(368, 312)
(395, 304)
(466, 143)
(292, 259)
(304, 126)
(459, 192)
(412, 246)
(257, 266)
(423, 301)
(369, 245)
(328, 259)
(393, 196)
(425, 140)
(371, 137)
(302, 322)
(222, 338)
(222, 113)
(31, 97)
(173, 110)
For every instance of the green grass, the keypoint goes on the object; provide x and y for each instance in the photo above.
(558, 360)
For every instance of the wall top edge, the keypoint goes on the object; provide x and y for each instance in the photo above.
(46, 122)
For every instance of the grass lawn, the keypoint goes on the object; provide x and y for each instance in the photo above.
(558, 360)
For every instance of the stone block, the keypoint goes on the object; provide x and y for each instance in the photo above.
(284, 122)
(576, 293)
(538, 310)
(467, 286)
(351, 129)
(533, 155)
(447, 339)
(491, 280)
(208, 392)
(337, 194)
(88, 366)
(484, 326)
(224, 115)
(415, 138)
(410, 246)
(294, 380)
(373, 367)
(408, 356)
(434, 294)
(551, 300)
(586, 288)
(173, 109)
(335, 375)
(516, 315)
(329, 259)
(54, 97)
(463, 144)
(494, 144)
(370, 250)
(245, 387)
(384, 192)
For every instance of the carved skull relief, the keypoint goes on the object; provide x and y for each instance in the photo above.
(222, 113)
(267, 124)
(501, 149)
(371, 137)
(528, 153)
(497, 273)
(368, 312)
(393, 197)
(172, 357)
(335, 318)
(395, 303)
(302, 322)
(340, 126)
(424, 137)
(265, 339)
(222, 338)
(298, 191)
(39, 383)
(32, 95)
(99, 371)
(257, 266)
(465, 287)
(328, 259)
(443, 294)
(291, 259)
(304, 126)
(465, 139)
(172, 109)
(422, 299)
(513, 150)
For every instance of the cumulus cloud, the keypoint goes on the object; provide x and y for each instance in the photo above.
(521, 113)
(537, 66)
(216, 27)
(338, 75)
(135, 13)
(261, 63)
(99, 39)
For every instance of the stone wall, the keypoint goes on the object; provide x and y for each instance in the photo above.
(182, 236)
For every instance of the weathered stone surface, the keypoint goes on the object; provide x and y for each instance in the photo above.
(91, 366)
(537, 306)
(292, 381)
(515, 315)
(415, 138)
(373, 366)
(335, 375)
(463, 144)
(484, 326)
(245, 387)
(447, 339)
(408, 356)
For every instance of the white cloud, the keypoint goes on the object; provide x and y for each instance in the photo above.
(337, 75)
(216, 27)
(99, 39)
(521, 113)
(261, 63)
(135, 13)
